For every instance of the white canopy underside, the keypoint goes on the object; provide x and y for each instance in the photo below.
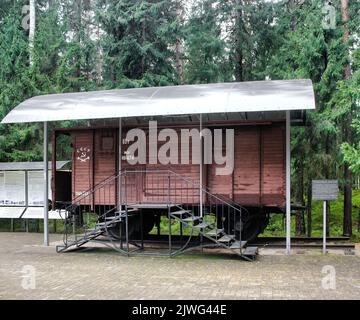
(255, 96)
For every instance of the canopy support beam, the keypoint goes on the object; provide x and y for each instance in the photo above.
(119, 165)
(288, 184)
(201, 169)
(46, 186)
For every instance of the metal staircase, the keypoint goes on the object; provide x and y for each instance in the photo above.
(90, 234)
(216, 222)
(212, 232)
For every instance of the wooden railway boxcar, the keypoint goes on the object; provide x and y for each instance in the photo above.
(258, 177)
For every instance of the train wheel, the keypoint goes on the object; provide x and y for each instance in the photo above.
(148, 223)
(254, 225)
(250, 227)
(134, 227)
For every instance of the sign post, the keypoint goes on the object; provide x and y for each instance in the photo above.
(325, 190)
(324, 226)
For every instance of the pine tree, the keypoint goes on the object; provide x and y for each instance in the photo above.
(347, 226)
(137, 42)
(251, 37)
(304, 49)
(16, 84)
(205, 50)
(179, 65)
(32, 27)
(78, 63)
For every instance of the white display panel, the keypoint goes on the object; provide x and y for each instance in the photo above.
(11, 212)
(12, 188)
(36, 188)
(38, 213)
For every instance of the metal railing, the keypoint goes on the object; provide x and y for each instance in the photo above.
(96, 211)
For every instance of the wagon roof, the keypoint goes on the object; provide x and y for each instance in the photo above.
(219, 98)
(30, 166)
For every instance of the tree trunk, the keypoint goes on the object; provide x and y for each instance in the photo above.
(327, 176)
(347, 227)
(308, 209)
(238, 45)
(347, 223)
(178, 47)
(32, 15)
(78, 35)
(99, 59)
(345, 20)
(88, 31)
(143, 39)
(299, 198)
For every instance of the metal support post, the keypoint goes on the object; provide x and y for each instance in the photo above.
(169, 217)
(46, 186)
(288, 189)
(324, 227)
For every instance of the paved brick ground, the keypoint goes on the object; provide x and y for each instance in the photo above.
(103, 274)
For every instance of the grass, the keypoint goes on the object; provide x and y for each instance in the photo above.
(276, 226)
(175, 226)
(37, 225)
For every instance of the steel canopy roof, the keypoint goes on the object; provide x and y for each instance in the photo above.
(254, 96)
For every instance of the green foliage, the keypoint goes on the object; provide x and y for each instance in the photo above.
(352, 152)
(16, 84)
(304, 49)
(205, 55)
(276, 225)
(348, 100)
(60, 65)
(137, 41)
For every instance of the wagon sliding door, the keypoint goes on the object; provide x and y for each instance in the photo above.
(132, 178)
(133, 187)
(105, 166)
(247, 175)
(273, 163)
(82, 162)
(95, 166)
(258, 178)
(243, 184)
(171, 182)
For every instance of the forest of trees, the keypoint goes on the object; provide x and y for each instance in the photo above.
(81, 45)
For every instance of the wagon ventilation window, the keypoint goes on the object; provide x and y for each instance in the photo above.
(107, 144)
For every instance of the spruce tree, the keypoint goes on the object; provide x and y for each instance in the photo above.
(206, 57)
(137, 42)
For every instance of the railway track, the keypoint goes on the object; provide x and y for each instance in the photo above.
(299, 242)
(262, 242)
